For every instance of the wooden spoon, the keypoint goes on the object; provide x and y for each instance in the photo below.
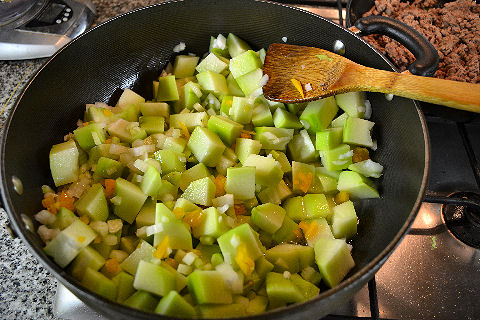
(318, 73)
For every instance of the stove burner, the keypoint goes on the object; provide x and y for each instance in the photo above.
(463, 218)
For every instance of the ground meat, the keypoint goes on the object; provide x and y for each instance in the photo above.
(453, 28)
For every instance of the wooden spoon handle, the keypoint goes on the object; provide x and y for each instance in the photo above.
(454, 94)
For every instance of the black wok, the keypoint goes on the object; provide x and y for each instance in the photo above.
(129, 51)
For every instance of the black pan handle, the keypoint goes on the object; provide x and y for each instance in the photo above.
(426, 55)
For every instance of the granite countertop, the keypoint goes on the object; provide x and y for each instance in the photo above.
(27, 290)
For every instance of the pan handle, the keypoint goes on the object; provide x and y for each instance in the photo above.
(426, 55)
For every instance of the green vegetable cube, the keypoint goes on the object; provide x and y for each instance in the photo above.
(184, 66)
(212, 82)
(243, 234)
(273, 138)
(225, 128)
(98, 283)
(353, 103)
(301, 148)
(213, 224)
(200, 191)
(196, 172)
(209, 287)
(268, 217)
(302, 176)
(241, 110)
(126, 131)
(286, 232)
(174, 305)
(328, 139)
(282, 159)
(152, 124)
(63, 219)
(282, 290)
(212, 63)
(233, 87)
(357, 132)
(87, 258)
(190, 120)
(236, 45)
(206, 146)
(109, 168)
(290, 257)
(151, 181)
(284, 119)
(69, 242)
(124, 283)
(241, 182)
(333, 259)
(90, 135)
(308, 289)
(262, 116)
(170, 160)
(316, 206)
(131, 199)
(357, 186)
(344, 220)
(64, 162)
(93, 203)
(339, 122)
(338, 158)
(167, 89)
(319, 114)
(250, 82)
(275, 194)
(154, 279)
(267, 170)
(322, 230)
(142, 300)
(244, 63)
(245, 147)
(143, 252)
(129, 98)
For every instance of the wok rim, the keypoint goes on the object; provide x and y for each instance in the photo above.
(358, 278)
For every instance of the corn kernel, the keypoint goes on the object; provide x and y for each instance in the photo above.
(342, 197)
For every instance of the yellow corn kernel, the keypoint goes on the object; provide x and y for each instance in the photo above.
(342, 197)
(194, 218)
(298, 86)
(162, 249)
(179, 212)
(220, 182)
(245, 263)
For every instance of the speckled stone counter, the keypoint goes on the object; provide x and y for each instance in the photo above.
(27, 290)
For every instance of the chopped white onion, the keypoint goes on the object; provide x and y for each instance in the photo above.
(284, 39)
(308, 87)
(264, 80)
(189, 258)
(141, 232)
(368, 110)
(374, 146)
(226, 199)
(141, 165)
(389, 96)
(212, 112)
(220, 42)
(222, 209)
(101, 227)
(110, 239)
(145, 149)
(339, 162)
(346, 155)
(47, 234)
(118, 149)
(96, 138)
(117, 200)
(305, 124)
(302, 66)
(197, 106)
(287, 274)
(179, 47)
(184, 269)
(156, 228)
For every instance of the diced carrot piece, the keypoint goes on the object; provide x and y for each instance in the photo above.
(194, 218)
(246, 264)
(342, 197)
(109, 187)
(65, 201)
(179, 212)
(112, 266)
(303, 181)
(298, 86)
(220, 185)
(108, 141)
(184, 130)
(246, 134)
(162, 249)
(172, 262)
(240, 209)
(49, 204)
(107, 112)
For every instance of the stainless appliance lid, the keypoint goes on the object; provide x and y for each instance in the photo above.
(15, 13)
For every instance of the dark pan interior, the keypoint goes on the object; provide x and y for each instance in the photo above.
(129, 52)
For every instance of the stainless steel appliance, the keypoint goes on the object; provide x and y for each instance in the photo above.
(37, 29)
